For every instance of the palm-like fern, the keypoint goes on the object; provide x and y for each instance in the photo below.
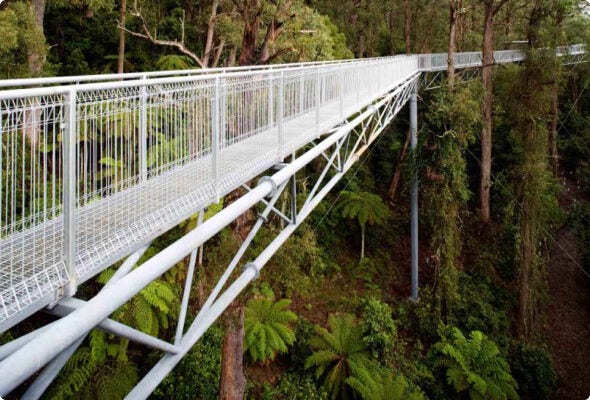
(151, 309)
(99, 371)
(340, 353)
(475, 365)
(267, 325)
(366, 208)
(375, 386)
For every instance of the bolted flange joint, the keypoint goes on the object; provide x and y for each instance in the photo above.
(254, 267)
(272, 182)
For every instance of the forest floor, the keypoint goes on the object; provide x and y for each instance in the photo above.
(568, 318)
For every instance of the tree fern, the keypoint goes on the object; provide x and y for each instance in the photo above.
(340, 352)
(366, 208)
(475, 365)
(374, 385)
(267, 326)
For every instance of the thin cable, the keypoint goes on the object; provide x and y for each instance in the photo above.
(538, 224)
(358, 168)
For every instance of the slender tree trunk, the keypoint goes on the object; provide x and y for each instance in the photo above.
(233, 382)
(453, 12)
(552, 142)
(210, 33)
(407, 24)
(486, 112)
(362, 242)
(121, 58)
(398, 169)
(553, 129)
(36, 59)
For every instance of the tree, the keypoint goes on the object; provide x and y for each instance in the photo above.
(366, 208)
(491, 9)
(474, 365)
(121, 56)
(267, 327)
(455, 9)
(339, 353)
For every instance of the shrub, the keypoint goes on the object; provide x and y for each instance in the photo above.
(533, 370)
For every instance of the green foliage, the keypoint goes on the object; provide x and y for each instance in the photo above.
(379, 328)
(197, 374)
(366, 208)
(533, 370)
(382, 386)
(474, 365)
(452, 121)
(151, 309)
(294, 387)
(174, 62)
(20, 37)
(339, 353)
(99, 371)
(267, 325)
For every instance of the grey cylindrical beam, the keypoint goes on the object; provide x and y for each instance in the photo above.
(414, 199)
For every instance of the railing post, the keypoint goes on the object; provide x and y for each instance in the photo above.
(414, 195)
(271, 101)
(280, 113)
(318, 96)
(143, 136)
(302, 92)
(215, 121)
(69, 191)
(358, 83)
(341, 92)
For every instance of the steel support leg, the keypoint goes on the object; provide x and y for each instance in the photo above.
(414, 227)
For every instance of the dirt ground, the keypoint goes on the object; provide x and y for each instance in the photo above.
(568, 319)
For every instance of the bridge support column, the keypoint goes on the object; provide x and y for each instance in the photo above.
(414, 200)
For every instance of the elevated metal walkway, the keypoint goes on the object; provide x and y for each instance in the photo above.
(93, 172)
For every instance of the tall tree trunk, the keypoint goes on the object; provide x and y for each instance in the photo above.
(362, 242)
(36, 59)
(121, 58)
(552, 142)
(486, 112)
(553, 129)
(407, 22)
(251, 18)
(210, 33)
(398, 169)
(233, 382)
(454, 7)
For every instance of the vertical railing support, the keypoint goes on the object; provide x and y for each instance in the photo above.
(271, 101)
(69, 191)
(302, 91)
(341, 75)
(293, 195)
(318, 96)
(414, 199)
(215, 121)
(358, 84)
(280, 115)
(143, 136)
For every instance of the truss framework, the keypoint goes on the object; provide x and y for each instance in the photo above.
(341, 148)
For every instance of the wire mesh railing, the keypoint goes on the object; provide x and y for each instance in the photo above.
(90, 172)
